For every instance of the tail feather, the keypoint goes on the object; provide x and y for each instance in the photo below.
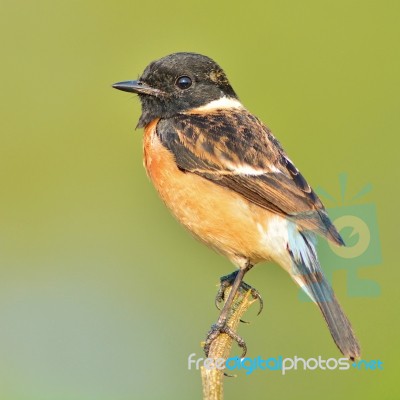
(308, 274)
(317, 287)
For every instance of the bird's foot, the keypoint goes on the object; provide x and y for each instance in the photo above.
(222, 327)
(227, 281)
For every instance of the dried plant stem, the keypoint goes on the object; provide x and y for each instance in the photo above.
(213, 379)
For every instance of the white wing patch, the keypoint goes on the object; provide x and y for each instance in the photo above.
(245, 169)
(274, 169)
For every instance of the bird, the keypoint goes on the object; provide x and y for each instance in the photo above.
(227, 179)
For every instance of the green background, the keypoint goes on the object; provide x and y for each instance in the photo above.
(102, 294)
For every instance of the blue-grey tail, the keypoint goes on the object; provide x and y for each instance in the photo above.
(307, 272)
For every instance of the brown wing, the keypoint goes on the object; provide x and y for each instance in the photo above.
(235, 150)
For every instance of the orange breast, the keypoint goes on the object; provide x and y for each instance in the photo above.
(217, 216)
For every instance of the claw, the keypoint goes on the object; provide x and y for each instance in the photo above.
(227, 281)
(216, 330)
(234, 280)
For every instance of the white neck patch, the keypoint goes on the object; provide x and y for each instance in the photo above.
(222, 103)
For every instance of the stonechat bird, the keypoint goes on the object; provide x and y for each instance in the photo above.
(227, 179)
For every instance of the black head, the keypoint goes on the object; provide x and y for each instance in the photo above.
(176, 83)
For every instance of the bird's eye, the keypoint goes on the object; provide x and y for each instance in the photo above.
(183, 82)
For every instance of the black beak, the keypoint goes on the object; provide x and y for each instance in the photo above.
(137, 87)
